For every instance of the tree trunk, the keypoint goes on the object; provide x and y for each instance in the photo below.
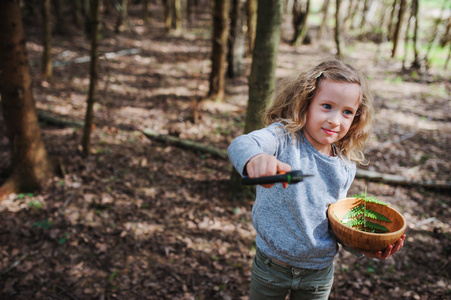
(218, 56)
(146, 12)
(262, 77)
(353, 12)
(168, 14)
(190, 11)
(123, 14)
(89, 118)
(177, 14)
(87, 17)
(300, 15)
(382, 17)
(47, 70)
(406, 40)
(390, 33)
(30, 163)
(366, 5)
(236, 40)
(337, 28)
(108, 7)
(446, 39)
(448, 58)
(78, 13)
(349, 14)
(251, 23)
(325, 11)
(402, 9)
(172, 14)
(60, 24)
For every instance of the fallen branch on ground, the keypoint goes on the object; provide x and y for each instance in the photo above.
(361, 174)
(397, 179)
(188, 144)
(58, 121)
(216, 152)
(86, 59)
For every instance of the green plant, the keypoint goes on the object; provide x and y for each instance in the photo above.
(35, 203)
(46, 224)
(64, 239)
(358, 216)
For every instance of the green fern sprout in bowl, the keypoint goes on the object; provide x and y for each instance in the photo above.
(369, 225)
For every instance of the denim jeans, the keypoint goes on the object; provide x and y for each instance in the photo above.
(273, 280)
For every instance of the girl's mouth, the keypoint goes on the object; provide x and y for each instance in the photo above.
(329, 132)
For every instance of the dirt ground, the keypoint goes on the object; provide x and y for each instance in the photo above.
(142, 219)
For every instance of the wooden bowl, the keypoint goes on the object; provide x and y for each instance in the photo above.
(361, 240)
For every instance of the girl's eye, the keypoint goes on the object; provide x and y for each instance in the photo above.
(327, 106)
(348, 112)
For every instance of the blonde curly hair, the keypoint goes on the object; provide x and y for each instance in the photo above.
(293, 96)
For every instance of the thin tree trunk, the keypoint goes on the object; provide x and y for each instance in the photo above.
(406, 41)
(448, 58)
(390, 33)
(382, 17)
(236, 40)
(123, 15)
(87, 17)
(402, 9)
(325, 11)
(168, 14)
(31, 166)
(251, 23)
(218, 57)
(60, 23)
(177, 15)
(47, 70)
(349, 14)
(353, 12)
(146, 11)
(77, 13)
(366, 5)
(190, 11)
(300, 16)
(337, 27)
(89, 118)
(446, 39)
(108, 7)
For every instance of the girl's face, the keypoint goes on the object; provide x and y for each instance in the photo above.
(331, 113)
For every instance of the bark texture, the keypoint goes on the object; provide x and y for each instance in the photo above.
(219, 52)
(29, 158)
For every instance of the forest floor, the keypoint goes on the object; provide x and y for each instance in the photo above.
(142, 219)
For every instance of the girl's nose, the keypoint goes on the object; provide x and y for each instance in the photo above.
(333, 120)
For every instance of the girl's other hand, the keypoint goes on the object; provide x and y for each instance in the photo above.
(389, 251)
(266, 165)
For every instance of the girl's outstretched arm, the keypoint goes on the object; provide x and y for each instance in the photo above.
(389, 251)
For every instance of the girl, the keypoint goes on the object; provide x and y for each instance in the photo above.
(318, 122)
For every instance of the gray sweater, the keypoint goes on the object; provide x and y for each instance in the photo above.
(291, 224)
